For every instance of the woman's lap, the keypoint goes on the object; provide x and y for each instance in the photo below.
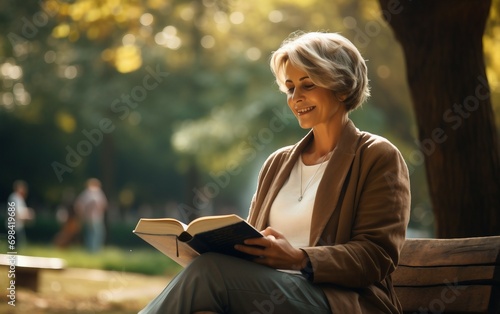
(224, 284)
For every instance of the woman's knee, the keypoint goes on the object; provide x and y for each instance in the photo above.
(211, 262)
(210, 257)
(206, 269)
(203, 261)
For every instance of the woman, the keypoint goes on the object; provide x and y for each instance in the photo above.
(333, 208)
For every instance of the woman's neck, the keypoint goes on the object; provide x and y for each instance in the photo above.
(325, 140)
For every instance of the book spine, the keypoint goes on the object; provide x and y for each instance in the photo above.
(194, 242)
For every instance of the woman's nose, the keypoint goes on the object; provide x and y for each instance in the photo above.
(297, 96)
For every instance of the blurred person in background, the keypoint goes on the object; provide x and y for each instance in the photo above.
(91, 206)
(24, 214)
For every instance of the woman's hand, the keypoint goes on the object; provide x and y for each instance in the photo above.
(274, 251)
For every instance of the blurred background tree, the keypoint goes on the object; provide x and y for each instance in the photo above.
(172, 103)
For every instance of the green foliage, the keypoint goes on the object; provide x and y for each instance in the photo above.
(68, 67)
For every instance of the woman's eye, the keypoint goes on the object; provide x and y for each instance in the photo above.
(303, 86)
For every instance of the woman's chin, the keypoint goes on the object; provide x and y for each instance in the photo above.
(305, 125)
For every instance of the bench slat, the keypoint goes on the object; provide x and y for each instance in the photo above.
(33, 261)
(462, 251)
(449, 299)
(449, 275)
(433, 276)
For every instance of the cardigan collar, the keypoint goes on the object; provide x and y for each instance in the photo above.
(330, 186)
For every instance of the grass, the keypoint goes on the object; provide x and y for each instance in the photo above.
(138, 260)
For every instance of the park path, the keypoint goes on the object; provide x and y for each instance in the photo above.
(87, 291)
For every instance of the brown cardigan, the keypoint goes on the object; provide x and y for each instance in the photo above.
(359, 218)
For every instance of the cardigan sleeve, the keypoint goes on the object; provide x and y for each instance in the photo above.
(379, 195)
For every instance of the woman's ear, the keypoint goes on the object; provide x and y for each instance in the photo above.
(340, 97)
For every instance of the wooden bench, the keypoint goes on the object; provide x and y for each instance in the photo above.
(27, 268)
(449, 275)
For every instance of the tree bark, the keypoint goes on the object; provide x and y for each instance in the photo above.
(442, 44)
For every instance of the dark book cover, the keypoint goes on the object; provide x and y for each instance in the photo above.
(222, 240)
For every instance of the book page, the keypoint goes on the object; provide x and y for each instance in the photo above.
(208, 223)
(162, 226)
(178, 251)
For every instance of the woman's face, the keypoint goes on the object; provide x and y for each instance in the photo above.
(313, 106)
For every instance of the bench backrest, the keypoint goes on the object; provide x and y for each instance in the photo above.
(449, 275)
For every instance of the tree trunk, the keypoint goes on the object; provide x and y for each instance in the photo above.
(442, 43)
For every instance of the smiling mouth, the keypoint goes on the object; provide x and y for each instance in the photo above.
(305, 110)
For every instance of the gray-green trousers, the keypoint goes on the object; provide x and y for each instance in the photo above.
(224, 284)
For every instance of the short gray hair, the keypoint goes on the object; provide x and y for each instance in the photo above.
(330, 60)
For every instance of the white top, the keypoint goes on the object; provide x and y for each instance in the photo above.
(91, 204)
(290, 216)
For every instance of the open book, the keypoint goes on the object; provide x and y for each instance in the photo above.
(183, 242)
